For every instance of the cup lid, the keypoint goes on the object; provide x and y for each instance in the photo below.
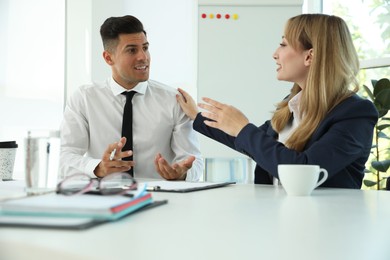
(8, 144)
(43, 133)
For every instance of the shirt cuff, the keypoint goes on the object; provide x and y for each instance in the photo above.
(91, 166)
(194, 174)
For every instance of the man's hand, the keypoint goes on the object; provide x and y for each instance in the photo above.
(176, 171)
(114, 164)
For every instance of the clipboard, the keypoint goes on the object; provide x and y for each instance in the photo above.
(64, 223)
(183, 186)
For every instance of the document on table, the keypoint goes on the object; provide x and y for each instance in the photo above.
(183, 186)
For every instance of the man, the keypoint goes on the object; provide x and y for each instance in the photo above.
(164, 144)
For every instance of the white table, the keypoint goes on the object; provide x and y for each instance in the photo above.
(234, 222)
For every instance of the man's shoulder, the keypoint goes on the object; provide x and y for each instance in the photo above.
(88, 90)
(94, 86)
(157, 86)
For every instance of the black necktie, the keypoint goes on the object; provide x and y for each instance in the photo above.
(127, 126)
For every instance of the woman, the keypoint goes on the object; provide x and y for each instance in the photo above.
(321, 121)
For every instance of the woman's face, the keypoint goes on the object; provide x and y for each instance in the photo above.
(292, 65)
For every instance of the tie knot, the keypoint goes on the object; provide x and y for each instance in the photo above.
(129, 94)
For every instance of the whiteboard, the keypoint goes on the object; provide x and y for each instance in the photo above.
(235, 64)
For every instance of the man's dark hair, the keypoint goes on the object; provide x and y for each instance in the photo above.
(114, 26)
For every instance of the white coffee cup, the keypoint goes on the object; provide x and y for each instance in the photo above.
(7, 159)
(301, 179)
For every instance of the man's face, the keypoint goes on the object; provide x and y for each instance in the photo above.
(130, 61)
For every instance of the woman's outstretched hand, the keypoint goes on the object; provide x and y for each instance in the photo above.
(223, 117)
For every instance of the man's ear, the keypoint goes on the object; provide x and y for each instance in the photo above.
(309, 57)
(107, 57)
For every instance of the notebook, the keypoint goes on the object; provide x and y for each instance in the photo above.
(64, 222)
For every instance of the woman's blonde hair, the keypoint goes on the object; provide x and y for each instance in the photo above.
(332, 72)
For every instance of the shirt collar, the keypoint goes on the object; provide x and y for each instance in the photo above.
(118, 89)
(293, 104)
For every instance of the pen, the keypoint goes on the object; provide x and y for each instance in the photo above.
(153, 188)
(112, 154)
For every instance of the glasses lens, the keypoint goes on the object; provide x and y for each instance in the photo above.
(74, 184)
(117, 183)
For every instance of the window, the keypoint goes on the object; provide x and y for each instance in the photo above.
(31, 69)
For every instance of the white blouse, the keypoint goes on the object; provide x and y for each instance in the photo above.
(293, 105)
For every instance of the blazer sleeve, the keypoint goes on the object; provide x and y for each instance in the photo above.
(224, 138)
(213, 133)
(341, 138)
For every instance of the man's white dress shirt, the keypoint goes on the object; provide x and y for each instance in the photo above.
(93, 120)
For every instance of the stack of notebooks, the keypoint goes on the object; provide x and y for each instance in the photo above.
(72, 212)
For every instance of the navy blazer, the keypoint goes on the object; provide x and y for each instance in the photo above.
(341, 144)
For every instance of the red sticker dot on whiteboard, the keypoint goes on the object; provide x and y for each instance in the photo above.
(227, 16)
(204, 16)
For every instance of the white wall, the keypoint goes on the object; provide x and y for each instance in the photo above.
(78, 44)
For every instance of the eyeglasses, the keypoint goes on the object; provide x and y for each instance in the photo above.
(112, 184)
